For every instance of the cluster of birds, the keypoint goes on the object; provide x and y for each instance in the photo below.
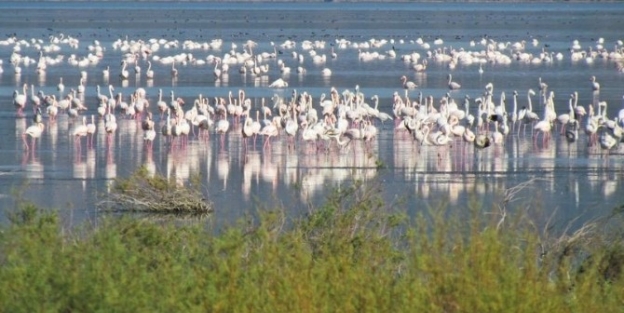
(438, 126)
(342, 117)
(345, 116)
(418, 53)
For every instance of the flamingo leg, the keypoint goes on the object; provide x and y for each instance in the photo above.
(25, 142)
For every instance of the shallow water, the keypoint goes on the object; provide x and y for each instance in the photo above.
(571, 180)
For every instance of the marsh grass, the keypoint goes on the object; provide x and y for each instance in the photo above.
(354, 253)
(154, 193)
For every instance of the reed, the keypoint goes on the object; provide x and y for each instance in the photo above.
(354, 253)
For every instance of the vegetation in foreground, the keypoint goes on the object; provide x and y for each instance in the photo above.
(352, 254)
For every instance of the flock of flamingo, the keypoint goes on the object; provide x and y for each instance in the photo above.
(343, 117)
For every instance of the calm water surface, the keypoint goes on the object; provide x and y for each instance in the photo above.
(571, 179)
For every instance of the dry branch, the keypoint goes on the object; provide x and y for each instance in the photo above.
(142, 192)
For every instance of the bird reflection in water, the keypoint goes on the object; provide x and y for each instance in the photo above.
(148, 162)
(110, 172)
(223, 167)
(80, 169)
(252, 167)
(291, 165)
(270, 171)
(32, 165)
(91, 163)
(177, 167)
(335, 167)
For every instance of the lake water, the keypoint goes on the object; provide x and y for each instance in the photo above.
(571, 180)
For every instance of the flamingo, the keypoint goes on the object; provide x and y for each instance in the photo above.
(81, 87)
(278, 83)
(451, 84)
(542, 86)
(269, 131)
(407, 84)
(482, 141)
(80, 131)
(174, 70)
(167, 129)
(591, 126)
(421, 67)
(148, 137)
(33, 131)
(544, 127)
(594, 84)
(137, 68)
(579, 110)
(247, 130)
(285, 70)
(437, 138)
(217, 70)
(149, 73)
(35, 99)
(572, 131)
(19, 100)
(291, 127)
(60, 87)
(106, 73)
(91, 128)
(110, 125)
(382, 116)
(526, 115)
(566, 118)
(222, 127)
(124, 72)
(52, 109)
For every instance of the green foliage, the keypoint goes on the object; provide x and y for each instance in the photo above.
(354, 253)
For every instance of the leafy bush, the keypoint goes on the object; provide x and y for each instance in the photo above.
(353, 254)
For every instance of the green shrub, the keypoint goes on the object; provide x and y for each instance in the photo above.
(354, 253)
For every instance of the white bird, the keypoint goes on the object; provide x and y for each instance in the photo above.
(270, 130)
(222, 127)
(566, 118)
(407, 84)
(20, 99)
(81, 88)
(149, 73)
(481, 141)
(543, 127)
(124, 72)
(33, 131)
(91, 128)
(451, 84)
(60, 87)
(595, 85)
(542, 86)
(106, 73)
(80, 130)
(174, 70)
(278, 83)
(149, 136)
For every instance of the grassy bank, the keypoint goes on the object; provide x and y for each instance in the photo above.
(350, 255)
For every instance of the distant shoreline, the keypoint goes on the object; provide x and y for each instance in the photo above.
(340, 1)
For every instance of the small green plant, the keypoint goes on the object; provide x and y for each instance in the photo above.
(380, 164)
